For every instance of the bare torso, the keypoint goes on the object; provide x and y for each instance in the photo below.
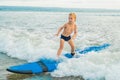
(68, 29)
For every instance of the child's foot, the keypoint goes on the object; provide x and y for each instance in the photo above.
(73, 53)
(58, 59)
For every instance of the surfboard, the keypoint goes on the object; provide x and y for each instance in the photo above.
(49, 65)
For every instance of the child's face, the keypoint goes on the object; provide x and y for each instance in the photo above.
(71, 19)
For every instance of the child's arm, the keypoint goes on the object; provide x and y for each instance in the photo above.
(59, 30)
(75, 32)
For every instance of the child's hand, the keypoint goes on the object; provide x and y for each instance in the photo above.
(73, 38)
(57, 35)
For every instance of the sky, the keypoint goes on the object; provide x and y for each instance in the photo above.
(104, 4)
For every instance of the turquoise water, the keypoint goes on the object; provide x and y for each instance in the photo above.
(54, 9)
(29, 36)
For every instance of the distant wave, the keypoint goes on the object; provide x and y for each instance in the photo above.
(53, 9)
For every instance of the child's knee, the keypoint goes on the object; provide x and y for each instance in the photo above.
(73, 47)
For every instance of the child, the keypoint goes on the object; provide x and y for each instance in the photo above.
(68, 28)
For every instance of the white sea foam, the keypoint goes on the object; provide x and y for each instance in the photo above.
(30, 36)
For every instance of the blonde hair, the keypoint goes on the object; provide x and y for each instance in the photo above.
(73, 15)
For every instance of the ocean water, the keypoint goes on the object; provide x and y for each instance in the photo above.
(29, 36)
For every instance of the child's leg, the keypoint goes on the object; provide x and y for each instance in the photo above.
(71, 43)
(61, 47)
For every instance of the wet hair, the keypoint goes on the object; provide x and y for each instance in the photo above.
(73, 15)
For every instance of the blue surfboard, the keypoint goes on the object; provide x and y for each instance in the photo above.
(49, 65)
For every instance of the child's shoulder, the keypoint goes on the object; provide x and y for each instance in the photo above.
(75, 25)
(65, 24)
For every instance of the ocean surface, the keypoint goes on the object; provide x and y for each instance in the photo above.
(29, 36)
